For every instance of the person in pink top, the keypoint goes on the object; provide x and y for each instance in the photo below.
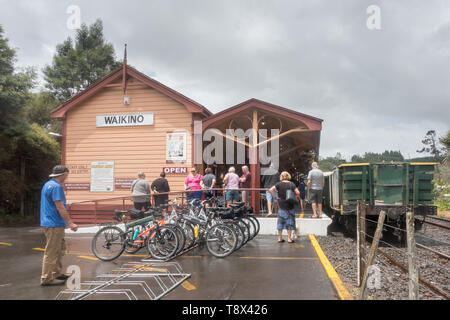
(231, 182)
(192, 183)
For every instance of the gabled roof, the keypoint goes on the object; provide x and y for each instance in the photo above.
(311, 122)
(191, 105)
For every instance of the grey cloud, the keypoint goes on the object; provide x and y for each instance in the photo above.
(378, 89)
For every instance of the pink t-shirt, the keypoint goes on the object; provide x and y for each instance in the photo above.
(193, 182)
(232, 181)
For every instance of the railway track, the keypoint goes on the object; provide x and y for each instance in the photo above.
(444, 223)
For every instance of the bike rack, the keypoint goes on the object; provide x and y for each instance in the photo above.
(132, 281)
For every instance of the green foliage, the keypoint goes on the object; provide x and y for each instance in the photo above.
(386, 156)
(27, 151)
(442, 196)
(445, 141)
(327, 164)
(430, 145)
(38, 111)
(79, 63)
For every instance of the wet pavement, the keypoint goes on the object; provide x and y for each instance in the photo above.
(262, 269)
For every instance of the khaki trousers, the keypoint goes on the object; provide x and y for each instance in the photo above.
(55, 248)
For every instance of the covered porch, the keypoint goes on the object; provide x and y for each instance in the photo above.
(297, 146)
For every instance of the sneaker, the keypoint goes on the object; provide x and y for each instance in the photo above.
(54, 283)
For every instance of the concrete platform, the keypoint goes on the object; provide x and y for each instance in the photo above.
(304, 226)
(262, 269)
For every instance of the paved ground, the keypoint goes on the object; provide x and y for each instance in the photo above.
(262, 269)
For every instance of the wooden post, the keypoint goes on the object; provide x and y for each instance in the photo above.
(373, 250)
(412, 265)
(358, 242)
(22, 180)
(362, 230)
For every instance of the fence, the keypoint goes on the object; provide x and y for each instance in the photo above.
(95, 212)
(365, 261)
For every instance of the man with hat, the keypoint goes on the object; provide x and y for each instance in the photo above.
(54, 219)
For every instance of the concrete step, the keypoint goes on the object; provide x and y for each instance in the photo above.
(304, 226)
(268, 226)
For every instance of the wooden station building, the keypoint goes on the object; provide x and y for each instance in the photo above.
(127, 122)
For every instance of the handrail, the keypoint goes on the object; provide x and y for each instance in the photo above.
(163, 193)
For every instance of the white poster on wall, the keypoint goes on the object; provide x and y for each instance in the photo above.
(102, 176)
(176, 146)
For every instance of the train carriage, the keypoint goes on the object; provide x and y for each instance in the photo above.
(393, 187)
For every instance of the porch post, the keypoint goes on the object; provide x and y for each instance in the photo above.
(255, 168)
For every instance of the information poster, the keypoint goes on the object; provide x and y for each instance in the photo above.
(102, 176)
(176, 147)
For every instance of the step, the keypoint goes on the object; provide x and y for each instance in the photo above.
(268, 226)
(304, 226)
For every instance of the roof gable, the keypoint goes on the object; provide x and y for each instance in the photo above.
(311, 122)
(191, 105)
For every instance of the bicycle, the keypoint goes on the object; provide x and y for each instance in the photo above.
(160, 239)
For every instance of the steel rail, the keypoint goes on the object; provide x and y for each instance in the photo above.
(427, 284)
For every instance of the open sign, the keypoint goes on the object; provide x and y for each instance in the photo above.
(175, 170)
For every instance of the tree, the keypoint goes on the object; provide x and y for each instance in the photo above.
(38, 111)
(79, 63)
(14, 95)
(430, 145)
(27, 151)
(445, 141)
(329, 163)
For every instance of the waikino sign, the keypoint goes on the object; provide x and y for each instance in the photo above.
(123, 120)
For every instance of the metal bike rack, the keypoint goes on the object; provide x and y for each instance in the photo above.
(143, 280)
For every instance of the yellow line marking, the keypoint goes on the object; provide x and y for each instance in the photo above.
(6, 244)
(279, 258)
(39, 249)
(188, 286)
(89, 258)
(301, 215)
(331, 273)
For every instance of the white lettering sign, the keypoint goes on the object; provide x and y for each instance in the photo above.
(124, 120)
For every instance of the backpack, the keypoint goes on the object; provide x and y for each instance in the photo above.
(290, 196)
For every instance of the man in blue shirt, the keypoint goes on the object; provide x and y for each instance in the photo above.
(54, 219)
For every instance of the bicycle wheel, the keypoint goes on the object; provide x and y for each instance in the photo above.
(252, 227)
(245, 227)
(163, 243)
(239, 233)
(108, 243)
(189, 233)
(221, 240)
(181, 237)
(256, 221)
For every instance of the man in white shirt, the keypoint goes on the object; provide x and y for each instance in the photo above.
(316, 182)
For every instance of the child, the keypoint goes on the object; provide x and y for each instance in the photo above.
(302, 189)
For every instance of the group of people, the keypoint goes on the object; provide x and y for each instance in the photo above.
(196, 186)
(277, 193)
(55, 217)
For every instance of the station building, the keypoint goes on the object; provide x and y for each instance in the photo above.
(127, 122)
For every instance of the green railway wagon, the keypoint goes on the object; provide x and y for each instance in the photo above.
(393, 187)
(390, 184)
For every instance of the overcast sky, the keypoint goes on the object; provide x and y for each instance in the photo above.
(375, 89)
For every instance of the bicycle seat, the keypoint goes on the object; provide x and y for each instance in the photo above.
(120, 211)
